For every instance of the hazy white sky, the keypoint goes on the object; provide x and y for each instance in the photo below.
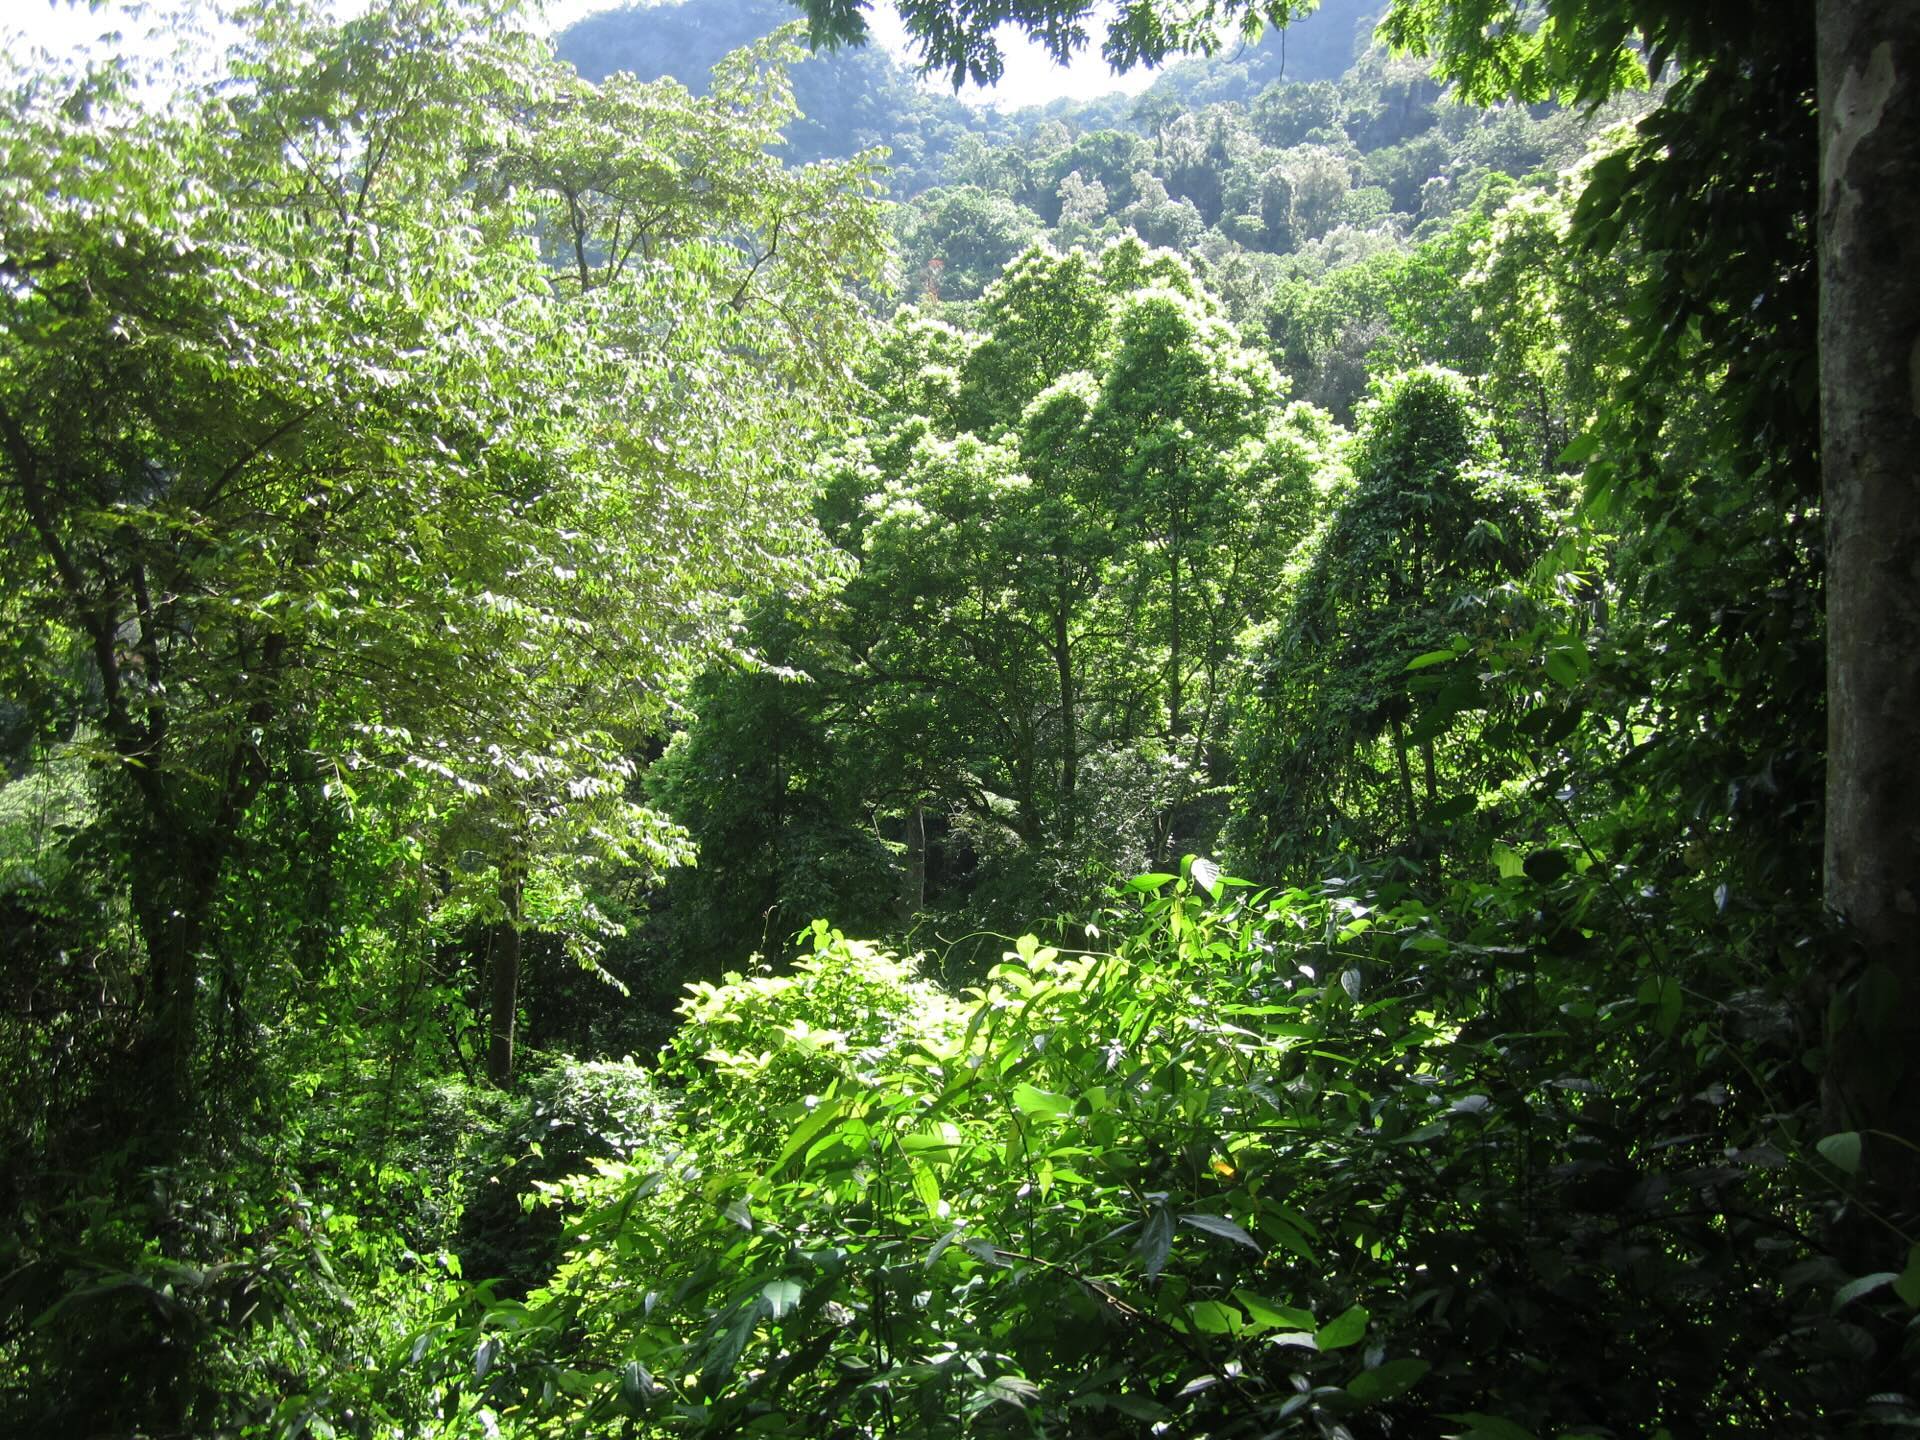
(1031, 77)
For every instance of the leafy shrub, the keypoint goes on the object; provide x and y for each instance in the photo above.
(1329, 1163)
(753, 1047)
(564, 1120)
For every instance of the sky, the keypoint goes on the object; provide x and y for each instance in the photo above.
(1031, 76)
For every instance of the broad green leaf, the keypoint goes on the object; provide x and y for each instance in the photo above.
(941, 1246)
(728, 1343)
(823, 1115)
(1865, 1285)
(1267, 1313)
(1562, 668)
(1211, 1317)
(1543, 867)
(637, 1385)
(1035, 1101)
(1907, 1287)
(1343, 1330)
(1156, 1240)
(781, 1296)
(1842, 1151)
(1582, 447)
(1222, 1227)
(1388, 1381)
(925, 1187)
(1015, 1390)
(1206, 875)
(1134, 1407)
(1487, 1427)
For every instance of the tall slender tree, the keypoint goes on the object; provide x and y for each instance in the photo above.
(1869, 235)
(328, 474)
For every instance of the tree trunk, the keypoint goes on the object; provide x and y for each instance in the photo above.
(1069, 726)
(1406, 775)
(505, 1004)
(174, 885)
(913, 877)
(1173, 642)
(1869, 240)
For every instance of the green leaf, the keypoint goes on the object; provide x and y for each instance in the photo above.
(1224, 1228)
(723, 1354)
(1388, 1381)
(1206, 875)
(925, 1187)
(1487, 1427)
(1134, 1407)
(1582, 447)
(1270, 1315)
(1151, 881)
(1562, 669)
(1543, 867)
(1343, 1331)
(1432, 657)
(1842, 1151)
(781, 1296)
(941, 1246)
(1907, 1287)
(1865, 1285)
(1035, 1101)
(1211, 1317)
(1156, 1241)
(804, 1133)
(1015, 1390)
(1663, 992)
(637, 1385)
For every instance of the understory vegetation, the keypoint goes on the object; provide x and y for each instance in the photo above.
(1163, 773)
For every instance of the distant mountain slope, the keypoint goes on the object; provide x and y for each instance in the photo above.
(856, 98)
(849, 100)
(1319, 47)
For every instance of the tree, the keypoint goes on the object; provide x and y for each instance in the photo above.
(1870, 433)
(335, 482)
(1063, 524)
(773, 803)
(1417, 558)
(960, 39)
(1046, 316)
(956, 240)
(1108, 158)
(1733, 134)
(1287, 114)
(1178, 405)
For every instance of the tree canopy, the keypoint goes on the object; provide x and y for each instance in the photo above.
(1244, 769)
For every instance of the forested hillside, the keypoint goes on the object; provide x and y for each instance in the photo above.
(853, 99)
(697, 744)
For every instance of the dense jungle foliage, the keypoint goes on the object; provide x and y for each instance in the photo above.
(698, 744)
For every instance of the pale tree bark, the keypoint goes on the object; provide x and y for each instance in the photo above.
(503, 1011)
(913, 875)
(1869, 241)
